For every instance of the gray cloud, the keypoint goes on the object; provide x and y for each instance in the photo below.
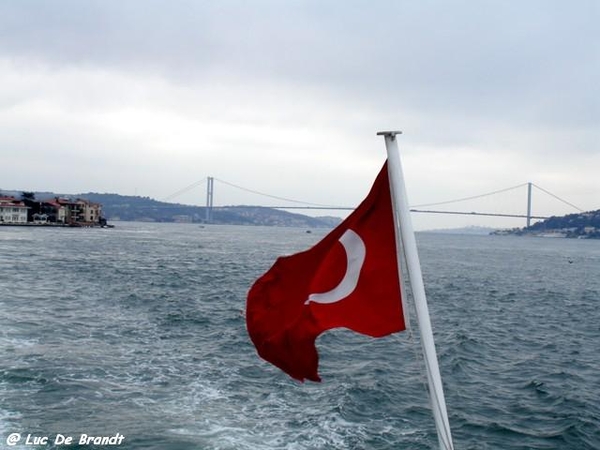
(486, 92)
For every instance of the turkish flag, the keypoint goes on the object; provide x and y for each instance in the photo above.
(349, 279)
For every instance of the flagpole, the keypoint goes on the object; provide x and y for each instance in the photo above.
(404, 228)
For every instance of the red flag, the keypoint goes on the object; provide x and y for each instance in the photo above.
(349, 279)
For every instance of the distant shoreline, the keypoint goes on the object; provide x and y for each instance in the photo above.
(54, 225)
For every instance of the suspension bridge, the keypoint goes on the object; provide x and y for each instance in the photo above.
(422, 208)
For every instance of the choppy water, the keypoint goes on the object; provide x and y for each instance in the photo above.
(139, 330)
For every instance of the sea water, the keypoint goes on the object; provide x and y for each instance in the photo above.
(139, 332)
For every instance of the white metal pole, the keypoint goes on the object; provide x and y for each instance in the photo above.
(405, 229)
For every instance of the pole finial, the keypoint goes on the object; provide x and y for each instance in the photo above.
(391, 134)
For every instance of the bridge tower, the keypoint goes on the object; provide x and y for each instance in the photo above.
(529, 204)
(209, 198)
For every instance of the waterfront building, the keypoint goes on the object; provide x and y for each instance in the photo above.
(73, 212)
(12, 211)
(57, 210)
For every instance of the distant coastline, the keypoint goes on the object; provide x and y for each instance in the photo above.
(117, 207)
(53, 225)
(470, 230)
(584, 225)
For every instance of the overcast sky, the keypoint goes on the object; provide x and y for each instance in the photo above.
(146, 97)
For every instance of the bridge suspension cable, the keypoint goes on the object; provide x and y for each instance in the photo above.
(317, 205)
(469, 198)
(184, 190)
(557, 197)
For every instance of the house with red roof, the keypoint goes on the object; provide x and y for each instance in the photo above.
(57, 211)
(72, 212)
(12, 211)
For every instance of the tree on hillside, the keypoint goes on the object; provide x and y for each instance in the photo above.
(28, 198)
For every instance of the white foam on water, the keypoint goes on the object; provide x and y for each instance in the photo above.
(228, 423)
(6, 418)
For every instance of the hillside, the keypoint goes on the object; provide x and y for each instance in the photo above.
(134, 208)
(582, 225)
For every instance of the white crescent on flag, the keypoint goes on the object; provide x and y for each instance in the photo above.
(355, 254)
